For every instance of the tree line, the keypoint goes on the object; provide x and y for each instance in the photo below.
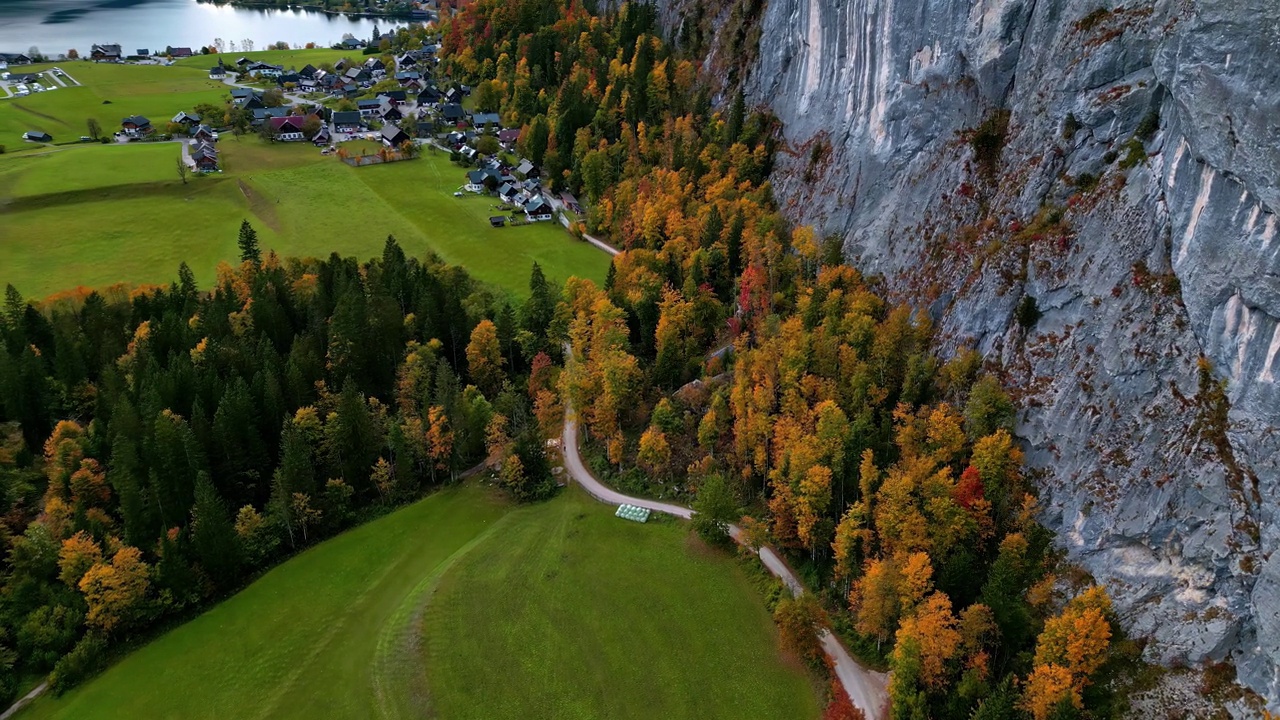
(158, 445)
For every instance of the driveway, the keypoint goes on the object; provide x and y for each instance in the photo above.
(866, 688)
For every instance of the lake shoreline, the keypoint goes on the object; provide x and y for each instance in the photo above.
(251, 5)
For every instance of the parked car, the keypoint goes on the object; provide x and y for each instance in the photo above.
(85, 138)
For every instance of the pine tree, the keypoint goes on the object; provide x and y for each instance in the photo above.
(248, 242)
(213, 535)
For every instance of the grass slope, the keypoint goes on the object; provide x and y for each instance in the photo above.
(319, 636)
(290, 59)
(108, 93)
(94, 215)
(569, 612)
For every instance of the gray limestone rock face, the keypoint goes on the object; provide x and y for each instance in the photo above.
(1134, 197)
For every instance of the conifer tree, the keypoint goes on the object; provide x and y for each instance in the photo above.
(213, 536)
(248, 242)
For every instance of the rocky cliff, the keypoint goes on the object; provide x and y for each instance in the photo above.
(1112, 169)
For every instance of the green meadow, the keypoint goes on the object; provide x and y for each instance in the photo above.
(574, 614)
(95, 215)
(460, 606)
(108, 93)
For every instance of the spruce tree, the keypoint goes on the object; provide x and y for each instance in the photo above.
(213, 536)
(248, 242)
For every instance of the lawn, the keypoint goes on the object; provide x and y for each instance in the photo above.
(458, 228)
(571, 613)
(294, 59)
(460, 607)
(327, 634)
(108, 93)
(95, 215)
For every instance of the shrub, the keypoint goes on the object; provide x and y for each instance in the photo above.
(82, 663)
(1090, 21)
(988, 141)
(798, 622)
(1135, 154)
(1028, 312)
(1070, 127)
(1149, 124)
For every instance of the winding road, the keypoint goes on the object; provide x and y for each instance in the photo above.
(866, 688)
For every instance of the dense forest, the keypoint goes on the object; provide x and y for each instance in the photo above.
(829, 417)
(161, 444)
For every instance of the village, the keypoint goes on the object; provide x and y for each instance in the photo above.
(376, 107)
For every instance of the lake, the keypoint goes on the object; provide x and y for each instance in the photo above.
(56, 26)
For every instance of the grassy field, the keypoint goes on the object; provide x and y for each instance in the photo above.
(295, 59)
(569, 612)
(557, 610)
(94, 215)
(107, 93)
(319, 636)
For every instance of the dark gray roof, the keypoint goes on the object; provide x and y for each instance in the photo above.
(346, 117)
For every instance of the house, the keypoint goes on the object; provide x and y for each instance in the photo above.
(324, 137)
(136, 125)
(348, 89)
(481, 120)
(261, 69)
(404, 75)
(356, 75)
(288, 78)
(342, 65)
(509, 136)
(37, 136)
(475, 181)
(453, 95)
(351, 43)
(188, 119)
(261, 115)
(397, 97)
(393, 135)
(180, 52)
(526, 169)
(217, 72)
(105, 53)
(142, 53)
(205, 156)
(240, 93)
(430, 95)
(537, 209)
(289, 128)
(14, 59)
(426, 128)
(571, 202)
(204, 133)
(497, 221)
(243, 61)
(508, 192)
(368, 107)
(374, 66)
(389, 112)
(452, 112)
(346, 121)
(307, 71)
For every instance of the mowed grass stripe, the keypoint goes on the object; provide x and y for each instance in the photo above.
(300, 642)
(571, 613)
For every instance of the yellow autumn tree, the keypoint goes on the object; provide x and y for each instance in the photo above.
(1078, 638)
(655, 452)
(77, 554)
(484, 358)
(115, 592)
(933, 627)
